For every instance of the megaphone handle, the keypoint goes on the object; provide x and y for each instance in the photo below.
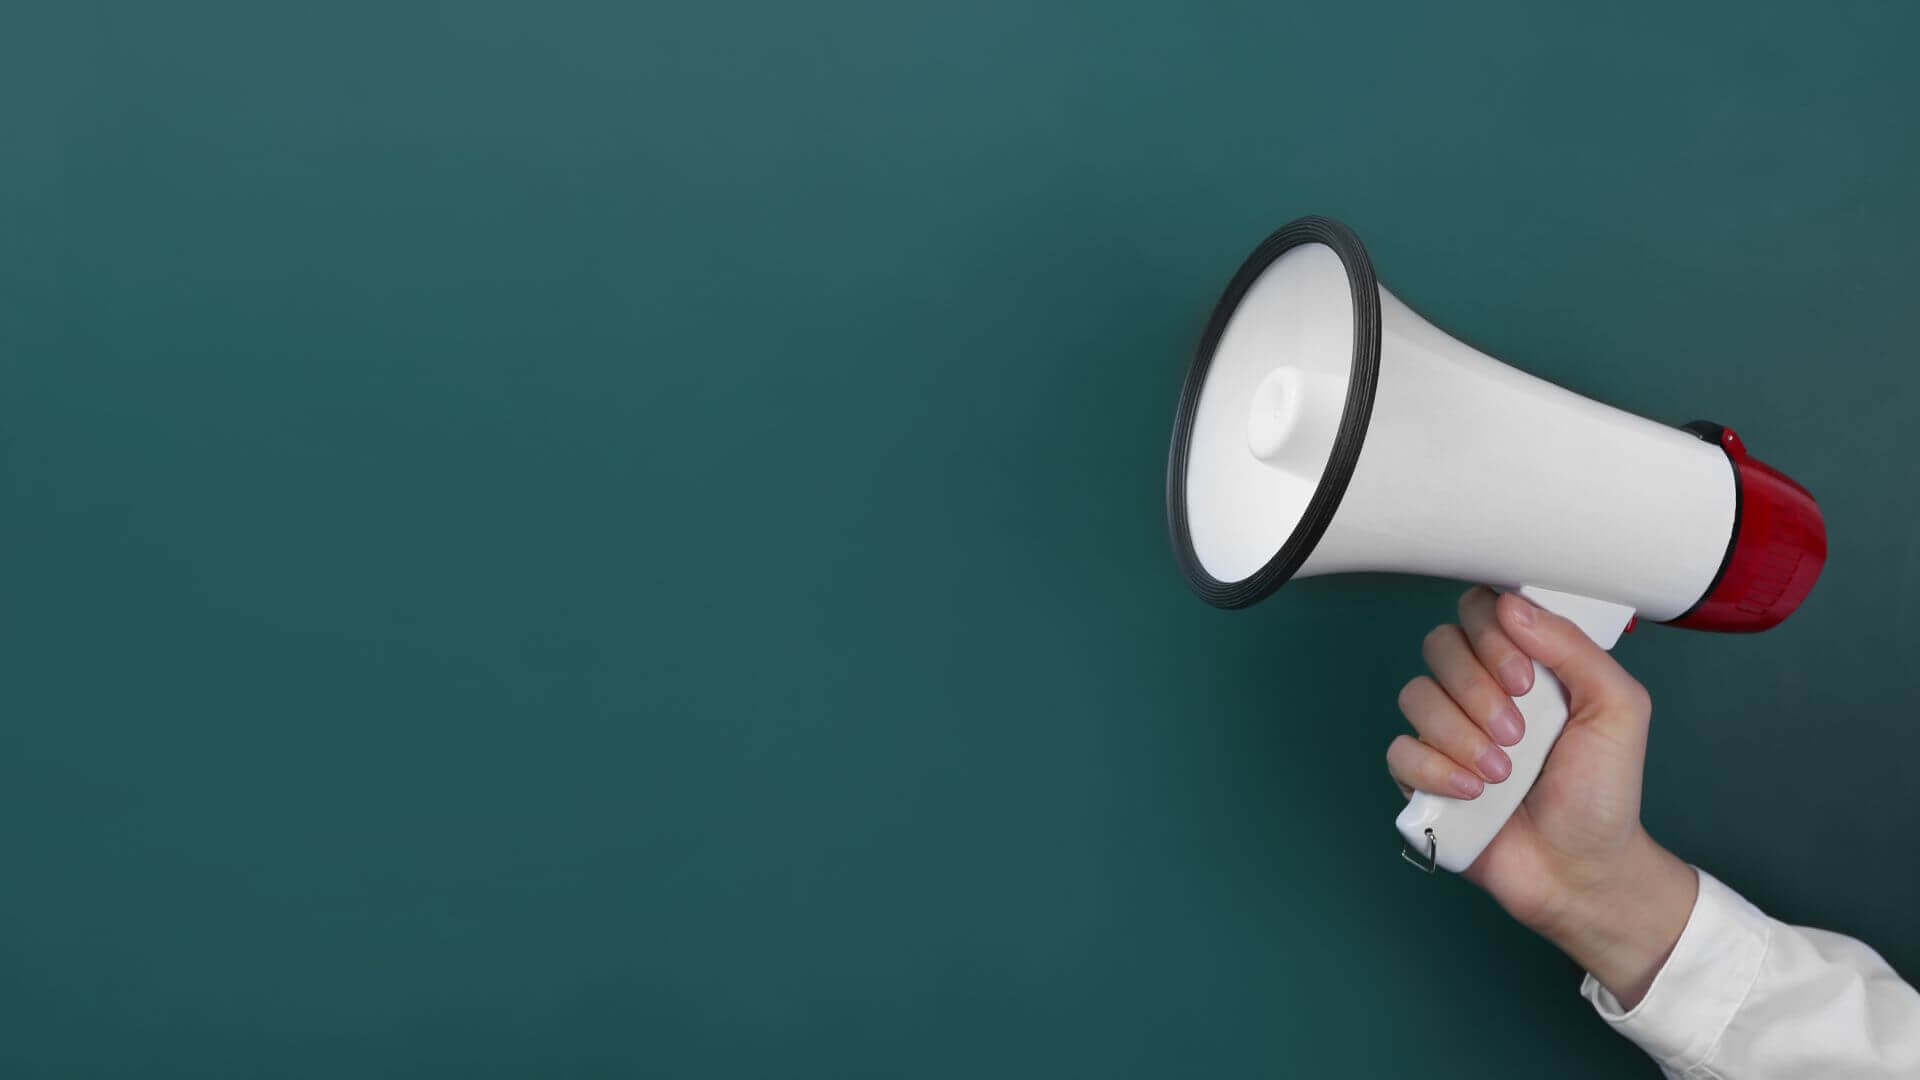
(1451, 833)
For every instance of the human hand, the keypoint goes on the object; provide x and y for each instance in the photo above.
(1573, 863)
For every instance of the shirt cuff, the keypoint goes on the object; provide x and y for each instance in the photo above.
(1701, 986)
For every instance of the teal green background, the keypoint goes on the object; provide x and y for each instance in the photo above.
(610, 539)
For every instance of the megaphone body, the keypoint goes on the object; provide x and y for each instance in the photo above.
(1325, 427)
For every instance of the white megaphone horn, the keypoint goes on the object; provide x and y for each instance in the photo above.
(1325, 427)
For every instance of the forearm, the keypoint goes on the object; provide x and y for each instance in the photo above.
(1622, 930)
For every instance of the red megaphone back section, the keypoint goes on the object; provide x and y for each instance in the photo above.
(1778, 548)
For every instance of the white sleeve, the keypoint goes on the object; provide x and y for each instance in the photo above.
(1746, 997)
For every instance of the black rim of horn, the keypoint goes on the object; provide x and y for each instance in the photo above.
(1353, 419)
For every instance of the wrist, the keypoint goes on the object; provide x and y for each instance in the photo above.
(1623, 929)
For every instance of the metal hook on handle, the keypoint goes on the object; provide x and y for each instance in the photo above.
(1432, 853)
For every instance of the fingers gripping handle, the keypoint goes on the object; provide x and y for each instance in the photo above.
(1462, 828)
(1453, 832)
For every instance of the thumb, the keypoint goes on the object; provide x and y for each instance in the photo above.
(1598, 688)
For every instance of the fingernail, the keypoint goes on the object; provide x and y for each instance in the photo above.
(1506, 727)
(1494, 764)
(1516, 674)
(1465, 784)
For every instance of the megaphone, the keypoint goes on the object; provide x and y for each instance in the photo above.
(1325, 427)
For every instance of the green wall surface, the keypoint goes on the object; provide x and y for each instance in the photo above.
(608, 539)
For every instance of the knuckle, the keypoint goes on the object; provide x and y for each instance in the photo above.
(1410, 693)
(1471, 600)
(1637, 698)
(1439, 642)
(1491, 644)
(1399, 752)
(1486, 694)
(1467, 740)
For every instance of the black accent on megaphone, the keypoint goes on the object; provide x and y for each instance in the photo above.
(1364, 378)
(1712, 432)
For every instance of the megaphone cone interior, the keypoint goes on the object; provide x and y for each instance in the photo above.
(1274, 411)
(1272, 406)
